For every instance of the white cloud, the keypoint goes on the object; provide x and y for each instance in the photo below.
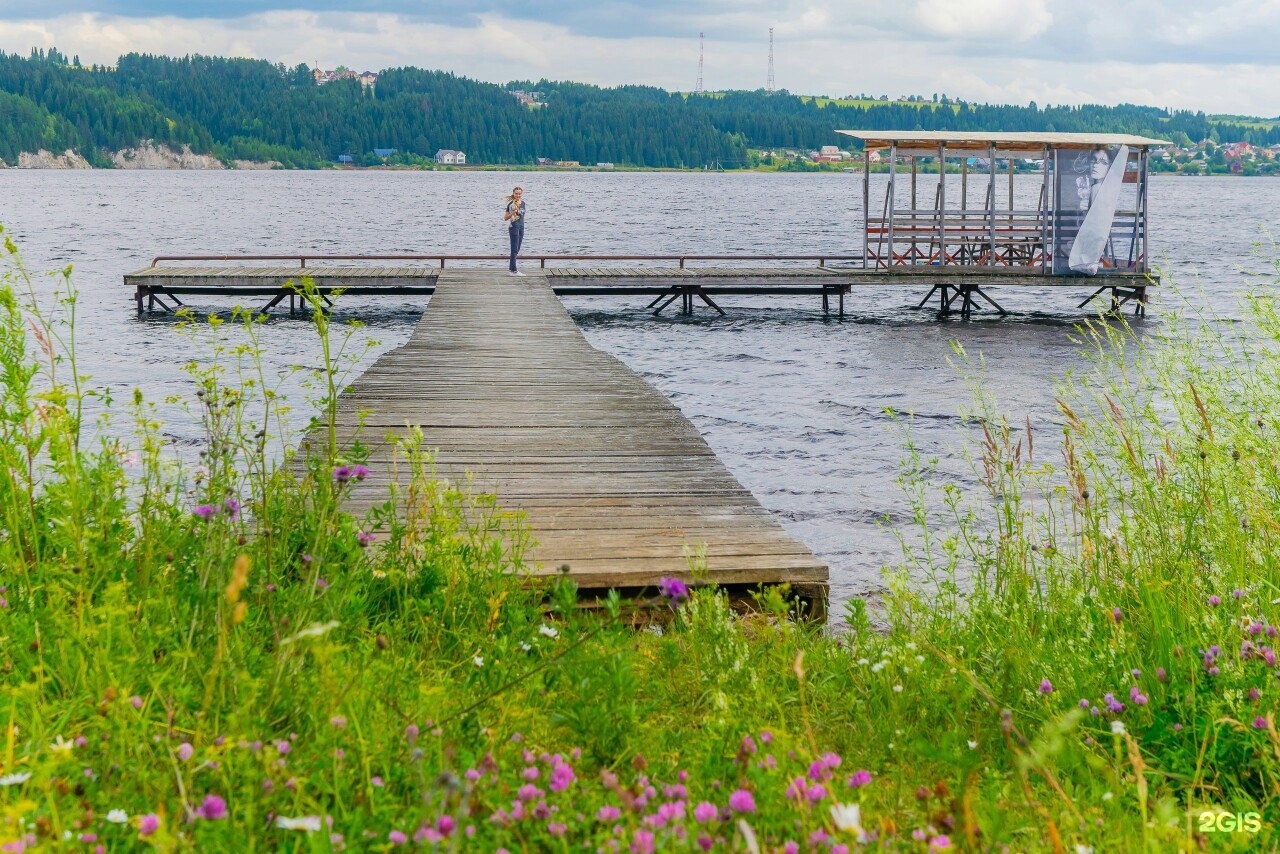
(984, 19)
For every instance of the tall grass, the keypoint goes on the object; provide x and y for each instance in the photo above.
(219, 657)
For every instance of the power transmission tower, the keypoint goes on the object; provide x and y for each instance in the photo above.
(768, 87)
(697, 89)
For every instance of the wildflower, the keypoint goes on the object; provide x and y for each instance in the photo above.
(846, 817)
(790, 848)
(1259, 722)
(1117, 616)
(135, 701)
(973, 745)
(940, 842)
(747, 747)
(1238, 593)
(411, 732)
(376, 782)
(742, 801)
(1117, 728)
(341, 474)
(445, 825)
(364, 538)
(1254, 694)
(359, 472)
(118, 816)
(1136, 673)
(1177, 727)
(561, 776)
(397, 837)
(283, 747)
(705, 812)
(15, 779)
(610, 813)
(766, 737)
(232, 508)
(797, 789)
(816, 793)
(1084, 704)
(309, 823)
(1046, 687)
(674, 589)
(642, 842)
(478, 661)
(1161, 675)
(1137, 697)
(212, 808)
(859, 779)
(557, 828)
(205, 511)
(148, 824)
(185, 751)
(61, 745)
(338, 721)
(1215, 601)
(548, 632)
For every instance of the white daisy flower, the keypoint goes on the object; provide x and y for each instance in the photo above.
(118, 817)
(15, 779)
(309, 823)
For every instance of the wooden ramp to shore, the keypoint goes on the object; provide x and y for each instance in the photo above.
(615, 481)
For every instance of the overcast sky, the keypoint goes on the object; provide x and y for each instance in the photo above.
(1200, 54)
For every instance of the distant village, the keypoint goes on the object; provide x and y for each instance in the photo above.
(1207, 157)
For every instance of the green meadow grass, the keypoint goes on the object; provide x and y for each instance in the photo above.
(212, 655)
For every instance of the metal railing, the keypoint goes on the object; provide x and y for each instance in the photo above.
(542, 259)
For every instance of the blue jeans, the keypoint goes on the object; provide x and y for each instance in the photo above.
(517, 237)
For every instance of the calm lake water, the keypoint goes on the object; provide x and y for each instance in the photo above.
(793, 403)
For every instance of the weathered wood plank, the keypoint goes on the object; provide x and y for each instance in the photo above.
(613, 480)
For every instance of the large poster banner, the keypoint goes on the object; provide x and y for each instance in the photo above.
(1086, 195)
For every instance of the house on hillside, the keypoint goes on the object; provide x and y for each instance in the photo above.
(368, 79)
(450, 157)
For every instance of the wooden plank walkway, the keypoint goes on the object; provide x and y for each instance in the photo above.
(615, 481)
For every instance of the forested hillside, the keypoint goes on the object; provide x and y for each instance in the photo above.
(251, 109)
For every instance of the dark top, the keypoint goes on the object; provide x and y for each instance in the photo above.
(516, 221)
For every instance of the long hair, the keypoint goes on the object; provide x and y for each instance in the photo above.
(512, 196)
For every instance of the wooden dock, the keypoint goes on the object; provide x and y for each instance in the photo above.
(615, 481)
(961, 288)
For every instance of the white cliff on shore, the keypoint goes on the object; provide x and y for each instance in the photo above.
(43, 159)
(148, 155)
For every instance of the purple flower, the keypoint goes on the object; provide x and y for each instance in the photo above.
(610, 813)
(148, 824)
(859, 779)
(561, 777)
(1259, 722)
(705, 812)
(445, 825)
(364, 538)
(940, 842)
(321, 584)
(742, 801)
(359, 472)
(184, 751)
(212, 808)
(642, 842)
(1117, 615)
(557, 828)
(232, 508)
(1255, 628)
(1161, 675)
(341, 474)
(1046, 687)
(397, 837)
(376, 782)
(135, 701)
(283, 747)
(1084, 704)
(411, 732)
(205, 511)
(1215, 600)
(1238, 593)
(338, 721)
(816, 793)
(674, 589)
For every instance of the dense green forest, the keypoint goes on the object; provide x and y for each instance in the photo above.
(251, 109)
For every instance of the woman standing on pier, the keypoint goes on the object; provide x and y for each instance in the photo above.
(515, 225)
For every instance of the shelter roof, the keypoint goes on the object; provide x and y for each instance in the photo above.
(980, 141)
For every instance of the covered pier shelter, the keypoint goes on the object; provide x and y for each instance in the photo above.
(959, 225)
